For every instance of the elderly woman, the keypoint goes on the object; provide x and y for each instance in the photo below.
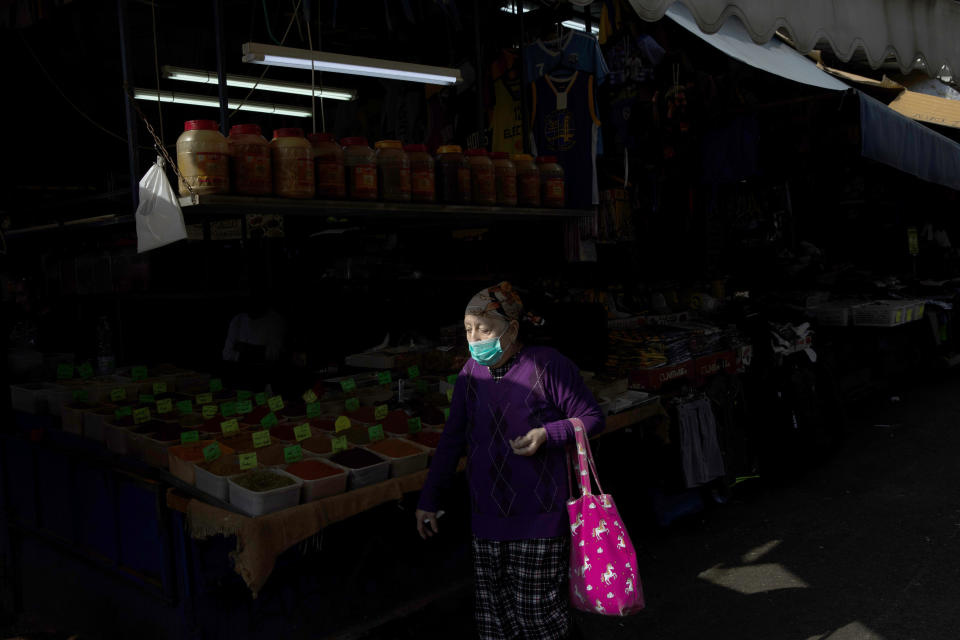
(510, 413)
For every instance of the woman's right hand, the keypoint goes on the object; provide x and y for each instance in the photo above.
(426, 523)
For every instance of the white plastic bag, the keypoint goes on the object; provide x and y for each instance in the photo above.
(159, 219)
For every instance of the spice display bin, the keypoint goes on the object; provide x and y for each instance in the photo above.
(407, 464)
(115, 437)
(323, 487)
(31, 397)
(94, 423)
(185, 469)
(258, 503)
(210, 483)
(155, 452)
(366, 476)
(71, 420)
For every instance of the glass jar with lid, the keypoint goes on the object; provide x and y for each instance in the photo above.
(453, 175)
(292, 158)
(422, 179)
(528, 180)
(482, 180)
(328, 166)
(505, 178)
(552, 188)
(203, 158)
(360, 163)
(250, 170)
(393, 171)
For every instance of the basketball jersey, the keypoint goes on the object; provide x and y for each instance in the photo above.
(565, 125)
(506, 115)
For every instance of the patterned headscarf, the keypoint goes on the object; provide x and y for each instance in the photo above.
(500, 300)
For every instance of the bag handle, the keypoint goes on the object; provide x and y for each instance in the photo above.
(585, 464)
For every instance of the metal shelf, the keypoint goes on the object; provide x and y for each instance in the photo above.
(227, 205)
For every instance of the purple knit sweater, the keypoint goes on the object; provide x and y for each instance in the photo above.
(513, 497)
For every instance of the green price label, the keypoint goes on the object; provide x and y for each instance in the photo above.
(302, 432)
(138, 373)
(116, 395)
(244, 395)
(452, 378)
(247, 460)
(342, 424)
(446, 413)
(422, 385)
(376, 432)
(209, 410)
(159, 387)
(309, 396)
(211, 452)
(261, 439)
(384, 377)
(413, 372)
(380, 412)
(913, 241)
(164, 406)
(269, 421)
(230, 427)
(348, 385)
(85, 370)
(64, 371)
(81, 395)
(352, 404)
(275, 403)
(293, 453)
(339, 443)
(216, 384)
(449, 395)
(314, 410)
(185, 406)
(228, 409)
(244, 406)
(204, 398)
(141, 415)
(187, 437)
(260, 399)
(414, 425)
(123, 412)
(146, 398)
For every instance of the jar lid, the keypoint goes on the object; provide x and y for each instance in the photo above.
(477, 152)
(389, 144)
(499, 155)
(354, 142)
(547, 160)
(202, 125)
(415, 147)
(320, 137)
(522, 157)
(288, 132)
(450, 148)
(245, 129)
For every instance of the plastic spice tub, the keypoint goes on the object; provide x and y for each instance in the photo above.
(31, 398)
(428, 439)
(71, 417)
(552, 192)
(361, 169)
(404, 456)
(214, 483)
(335, 482)
(328, 166)
(364, 467)
(250, 167)
(453, 175)
(182, 458)
(528, 180)
(292, 158)
(505, 174)
(136, 437)
(203, 157)
(393, 171)
(258, 503)
(156, 452)
(482, 180)
(422, 177)
(94, 422)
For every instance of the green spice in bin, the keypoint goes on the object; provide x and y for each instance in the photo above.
(263, 480)
(356, 458)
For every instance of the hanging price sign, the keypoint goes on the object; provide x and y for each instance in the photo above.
(141, 415)
(164, 406)
(159, 387)
(116, 395)
(261, 439)
(293, 453)
(85, 370)
(302, 432)
(247, 460)
(211, 452)
(269, 421)
(185, 406)
(204, 398)
(414, 425)
(339, 443)
(216, 384)
(380, 412)
(230, 427)
(348, 385)
(210, 410)
(309, 396)
(376, 433)
(138, 373)
(275, 403)
(384, 377)
(352, 404)
(342, 424)
(187, 437)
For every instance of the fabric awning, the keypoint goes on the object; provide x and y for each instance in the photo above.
(907, 29)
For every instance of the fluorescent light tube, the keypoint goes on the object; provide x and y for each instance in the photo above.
(353, 65)
(509, 9)
(248, 82)
(580, 25)
(208, 101)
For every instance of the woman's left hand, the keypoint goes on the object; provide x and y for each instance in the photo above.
(527, 445)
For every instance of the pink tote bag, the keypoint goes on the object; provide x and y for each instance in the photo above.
(603, 563)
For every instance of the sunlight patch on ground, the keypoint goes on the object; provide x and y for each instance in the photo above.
(853, 631)
(755, 554)
(757, 578)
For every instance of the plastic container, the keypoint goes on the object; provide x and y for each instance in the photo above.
(71, 418)
(505, 178)
(453, 175)
(323, 487)
(482, 180)
(360, 163)
(156, 452)
(203, 157)
(407, 464)
(182, 458)
(250, 167)
(422, 177)
(30, 397)
(528, 180)
(552, 188)
(292, 158)
(258, 503)
(94, 421)
(211, 483)
(328, 166)
(393, 171)
(368, 475)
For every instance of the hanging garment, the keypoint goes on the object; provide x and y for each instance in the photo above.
(565, 125)
(699, 447)
(506, 116)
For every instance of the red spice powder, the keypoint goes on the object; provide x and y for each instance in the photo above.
(395, 448)
(312, 469)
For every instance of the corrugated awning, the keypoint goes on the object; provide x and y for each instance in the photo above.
(907, 29)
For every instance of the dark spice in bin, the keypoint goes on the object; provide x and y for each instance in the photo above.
(426, 438)
(263, 480)
(356, 458)
(167, 432)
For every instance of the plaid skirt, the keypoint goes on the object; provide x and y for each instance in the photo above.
(521, 588)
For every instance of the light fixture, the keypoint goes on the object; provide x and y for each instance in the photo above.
(353, 65)
(580, 25)
(209, 101)
(248, 82)
(510, 9)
